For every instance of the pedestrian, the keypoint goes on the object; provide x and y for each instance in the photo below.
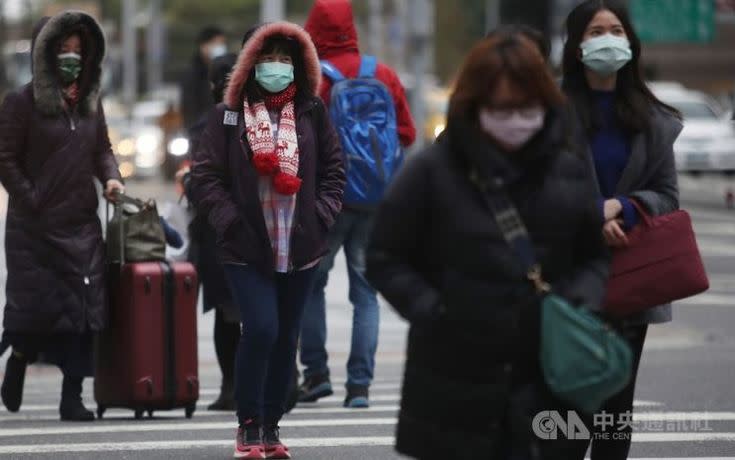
(53, 142)
(473, 380)
(268, 173)
(630, 135)
(196, 93)
(203, 254)
(331, 26)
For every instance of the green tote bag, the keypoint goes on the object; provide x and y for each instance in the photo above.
(135, 233)
(584, 361)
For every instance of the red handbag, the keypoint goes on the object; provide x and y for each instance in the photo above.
(660, 265)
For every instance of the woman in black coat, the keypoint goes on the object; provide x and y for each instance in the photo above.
(629, 135)
(53, 143)
(472, 381)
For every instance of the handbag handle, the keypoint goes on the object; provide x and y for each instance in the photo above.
(643, 213)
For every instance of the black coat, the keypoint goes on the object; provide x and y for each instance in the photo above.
(438, 257)
(225, 182)
(48, 159)
(196, 93)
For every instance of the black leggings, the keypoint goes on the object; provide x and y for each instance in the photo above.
(622, 402)
(226, 338)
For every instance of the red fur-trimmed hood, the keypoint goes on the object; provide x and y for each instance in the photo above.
(246, 61)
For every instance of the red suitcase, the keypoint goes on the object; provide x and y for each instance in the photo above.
(146, 360)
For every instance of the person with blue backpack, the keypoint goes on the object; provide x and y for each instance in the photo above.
(368, 107)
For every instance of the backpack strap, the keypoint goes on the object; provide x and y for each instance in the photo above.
(331, 71)
(368, 67)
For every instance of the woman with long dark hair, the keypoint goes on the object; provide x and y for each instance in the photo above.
(269, 176)
(473, 382)
(630, 136)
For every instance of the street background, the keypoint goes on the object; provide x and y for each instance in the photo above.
(685, 401)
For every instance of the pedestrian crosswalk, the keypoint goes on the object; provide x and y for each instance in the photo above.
(318, 431)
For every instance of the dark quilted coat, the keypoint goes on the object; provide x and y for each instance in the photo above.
(439, 258)
(48, 158)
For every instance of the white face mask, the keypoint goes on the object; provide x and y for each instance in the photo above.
(606, 54)
(216, 51)
(512, 128)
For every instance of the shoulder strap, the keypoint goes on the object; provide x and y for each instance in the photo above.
(368, 67)
(514, 231)
(331, 71)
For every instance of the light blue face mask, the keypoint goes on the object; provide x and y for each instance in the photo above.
(606, 54)
(274, 77)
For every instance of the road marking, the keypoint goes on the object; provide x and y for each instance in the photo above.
(374, 441)
(713, 300)
(125, 415)
(146, 426)
(143, 427)
(302, 408)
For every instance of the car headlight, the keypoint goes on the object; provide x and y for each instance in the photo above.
(147, 144)
(439, 128)
(127, 169)
(179, 147)
(126, 148)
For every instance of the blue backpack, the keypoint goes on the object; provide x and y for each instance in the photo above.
(364, 115)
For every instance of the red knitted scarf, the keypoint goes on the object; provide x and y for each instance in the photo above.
(71, 94)
(276, 157)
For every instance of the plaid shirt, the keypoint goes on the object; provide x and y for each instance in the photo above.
(278, 211)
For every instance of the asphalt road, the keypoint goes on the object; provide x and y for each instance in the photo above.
(685, 403)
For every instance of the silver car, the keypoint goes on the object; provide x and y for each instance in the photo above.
(707, 143)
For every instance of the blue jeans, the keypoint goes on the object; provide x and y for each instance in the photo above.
(351, 230)
(270, 312)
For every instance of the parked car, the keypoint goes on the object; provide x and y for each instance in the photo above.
(707, 142)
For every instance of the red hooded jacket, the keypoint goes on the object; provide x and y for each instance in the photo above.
(332, 28)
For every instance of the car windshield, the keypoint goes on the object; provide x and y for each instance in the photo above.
(695, 110)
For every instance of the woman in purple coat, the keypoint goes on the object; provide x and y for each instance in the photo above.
(53, 143)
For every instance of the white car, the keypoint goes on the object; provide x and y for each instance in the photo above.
(707, 143)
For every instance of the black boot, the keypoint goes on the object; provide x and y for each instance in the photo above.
(226, 399)
(15, 376)
(72, 408)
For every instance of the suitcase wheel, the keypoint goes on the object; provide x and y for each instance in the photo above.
(101, 412)
(190, 410)
(139, 414)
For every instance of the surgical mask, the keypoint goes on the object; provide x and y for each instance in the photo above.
(274, 77)
(216, 51)
(607, 54)
(70, 67)
(513, 128)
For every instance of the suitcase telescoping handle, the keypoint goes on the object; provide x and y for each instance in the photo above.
(117, 203)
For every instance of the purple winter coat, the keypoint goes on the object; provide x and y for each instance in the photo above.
(48, 159)
(225, 183)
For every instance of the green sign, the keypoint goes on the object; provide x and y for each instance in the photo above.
(674, 21)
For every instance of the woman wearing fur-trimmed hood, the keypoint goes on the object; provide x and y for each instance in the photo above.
(269, 176)
(53, 142)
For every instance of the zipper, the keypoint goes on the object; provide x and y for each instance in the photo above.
(291, 267)
(87, 283)
(70, 116)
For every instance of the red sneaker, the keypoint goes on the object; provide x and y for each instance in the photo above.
(249, 442)
(274, 448)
